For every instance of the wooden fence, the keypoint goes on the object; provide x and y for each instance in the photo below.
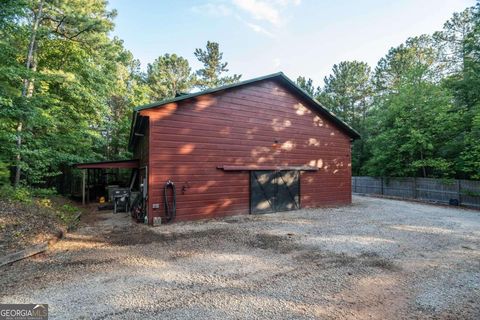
(466, 192)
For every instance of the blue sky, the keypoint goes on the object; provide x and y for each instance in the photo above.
(258, 37)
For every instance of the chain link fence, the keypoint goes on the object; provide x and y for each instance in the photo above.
(449, 191)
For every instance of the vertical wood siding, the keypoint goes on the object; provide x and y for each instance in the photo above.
(239, 126)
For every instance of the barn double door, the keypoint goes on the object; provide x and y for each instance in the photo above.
(272, 191)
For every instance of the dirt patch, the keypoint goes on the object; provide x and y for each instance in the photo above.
(181, 254)
(326, 260)
(335, 260)
(87, 262)
(143, 236)
(93, 216)
(369, 255)
(381, 263)
(373, 259)
(278, 243)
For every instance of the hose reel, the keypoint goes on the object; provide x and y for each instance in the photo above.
(170, 209)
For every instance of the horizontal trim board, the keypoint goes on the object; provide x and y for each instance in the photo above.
(273, 168)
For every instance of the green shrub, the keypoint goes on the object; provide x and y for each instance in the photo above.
(25, 194)
(43, 192)
(21, 194)
(4, 174)
(69, 208)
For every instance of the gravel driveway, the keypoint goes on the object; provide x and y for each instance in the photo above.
(376, 258)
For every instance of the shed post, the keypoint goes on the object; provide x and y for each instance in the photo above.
(83, 186)
(88, 185)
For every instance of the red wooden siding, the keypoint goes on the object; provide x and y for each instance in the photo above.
(239, 126)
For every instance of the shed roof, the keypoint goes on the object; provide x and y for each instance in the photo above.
(279, 76)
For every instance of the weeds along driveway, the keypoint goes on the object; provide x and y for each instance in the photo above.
(377, 258)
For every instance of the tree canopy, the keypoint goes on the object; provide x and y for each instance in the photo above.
(418, 111)
(68, 88)
(212, 73)
(168, 76)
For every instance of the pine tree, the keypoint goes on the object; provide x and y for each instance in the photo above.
(168, 76)
(211, 75)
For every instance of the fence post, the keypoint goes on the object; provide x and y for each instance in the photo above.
(459, 191)
(414, 187)
(381, 184)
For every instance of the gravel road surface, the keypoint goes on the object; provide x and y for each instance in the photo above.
(374, 259)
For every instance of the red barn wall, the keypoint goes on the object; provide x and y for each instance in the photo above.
(239, 126)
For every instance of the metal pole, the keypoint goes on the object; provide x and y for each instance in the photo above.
(83, 186)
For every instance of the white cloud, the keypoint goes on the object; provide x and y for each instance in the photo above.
(259, 29)
(287, 2)
(260, 10)
(213, 9)
(267, 13)
(277, 62)
(266, 10)
(255, 27)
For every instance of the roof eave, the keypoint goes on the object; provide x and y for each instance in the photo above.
(136, 126)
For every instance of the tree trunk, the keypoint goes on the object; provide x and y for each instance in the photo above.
(28, 86)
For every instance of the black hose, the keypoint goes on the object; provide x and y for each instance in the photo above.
(170, 211)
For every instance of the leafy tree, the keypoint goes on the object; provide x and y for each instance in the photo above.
(452, 40)
(211, 75)
(129, 90)
(396, 66)
(4, 174)
(412, 118)
(60, 76)
(347, 92)
(168, 76)
(51, 25)
(307, 85)
(466, 87)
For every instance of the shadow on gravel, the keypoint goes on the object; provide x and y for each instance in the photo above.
(87, 262)
(214, 237)
(127, 237)
(327, 260)
(277, 243)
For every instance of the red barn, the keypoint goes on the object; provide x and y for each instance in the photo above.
(261, 145)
